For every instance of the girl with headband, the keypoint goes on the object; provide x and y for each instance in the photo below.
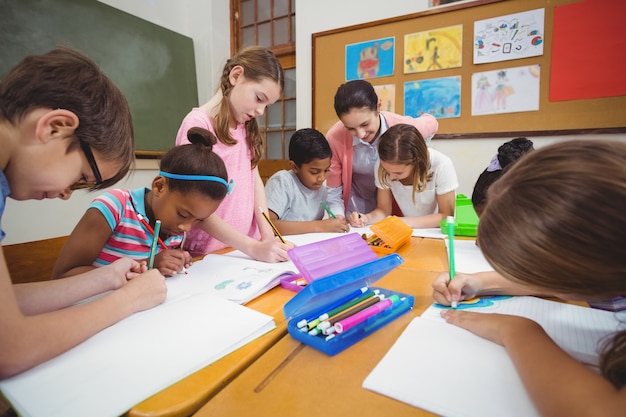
(191, 184)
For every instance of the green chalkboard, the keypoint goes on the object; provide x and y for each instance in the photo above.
(153, 66)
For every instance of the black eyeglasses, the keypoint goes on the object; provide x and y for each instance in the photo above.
(94, 167)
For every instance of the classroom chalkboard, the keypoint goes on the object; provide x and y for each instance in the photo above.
(153, 66)
(575, 116)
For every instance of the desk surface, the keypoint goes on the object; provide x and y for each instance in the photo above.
(293, 379)
(189, 394)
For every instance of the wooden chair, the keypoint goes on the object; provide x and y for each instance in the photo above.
(267, 167)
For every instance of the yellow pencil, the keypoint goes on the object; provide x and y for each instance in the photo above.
(276, 232)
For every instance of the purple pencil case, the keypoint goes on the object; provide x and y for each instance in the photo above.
(327, 257)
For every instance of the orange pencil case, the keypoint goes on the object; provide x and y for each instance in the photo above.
(389, 235)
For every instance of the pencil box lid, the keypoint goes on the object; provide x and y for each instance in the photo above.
(393, 232)
(320, 259)
(465, 218)
(323, 291)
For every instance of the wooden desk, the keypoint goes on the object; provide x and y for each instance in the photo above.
(188, 395)
(424, 255)
(293, 379)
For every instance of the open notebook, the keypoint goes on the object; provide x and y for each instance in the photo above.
(238, 280)
(449, 371)
(139, 356)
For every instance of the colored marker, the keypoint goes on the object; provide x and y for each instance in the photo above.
(303, 323)
(355, 309)
(345, 306)
(450, 221)
(155, 240)
(276, 232)
(330, 213)
(361, 316)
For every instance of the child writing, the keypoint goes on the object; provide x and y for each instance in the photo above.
(296, 197)
(354, 142)
(554, 224)
(191, 184)
(422, 181)
(508, 153)
(251, 81)
(64, 126)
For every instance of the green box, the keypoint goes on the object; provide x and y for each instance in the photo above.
(465, 218)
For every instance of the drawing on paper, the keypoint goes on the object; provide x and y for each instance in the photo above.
(370, 59)
(433, 50)
(513, 36)
(440, 97)
(476, 302)
(387, 96)
(506, 90)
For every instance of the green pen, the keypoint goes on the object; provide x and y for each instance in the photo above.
(330, 213)
(153, 248)
(450, 221)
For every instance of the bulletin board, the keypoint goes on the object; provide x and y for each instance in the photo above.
(153, 66)
(572, 116)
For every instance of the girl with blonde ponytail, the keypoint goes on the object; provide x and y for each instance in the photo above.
(251, 81)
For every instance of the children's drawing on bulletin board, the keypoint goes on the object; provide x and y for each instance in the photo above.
(387, 96)
(440, 97)
(370, 59)
(506, 90)
(513, 36)
(433, 49)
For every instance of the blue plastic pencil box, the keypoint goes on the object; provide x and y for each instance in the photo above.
(323, 294)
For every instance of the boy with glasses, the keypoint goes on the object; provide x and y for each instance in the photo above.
(64, 126)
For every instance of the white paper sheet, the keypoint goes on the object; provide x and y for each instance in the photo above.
(468, 257)
(431, 232)
(449, 371)
(128, 362)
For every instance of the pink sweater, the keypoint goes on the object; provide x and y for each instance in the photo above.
(237, 209)
(340, 141)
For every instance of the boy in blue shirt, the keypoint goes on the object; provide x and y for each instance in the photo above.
(296, 198)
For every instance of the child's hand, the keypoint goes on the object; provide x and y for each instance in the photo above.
(338, 225)
(120, 271)
(146, 290)
(493, 327)
(462, 287)
(357, 219)
(172, 261)
(270, 250)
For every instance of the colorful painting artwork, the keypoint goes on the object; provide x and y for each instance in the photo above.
(370, 59)
(433, 49)
(513, 36)
(506, 90)
(476, 302)
(387, 96)
(440, 97)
